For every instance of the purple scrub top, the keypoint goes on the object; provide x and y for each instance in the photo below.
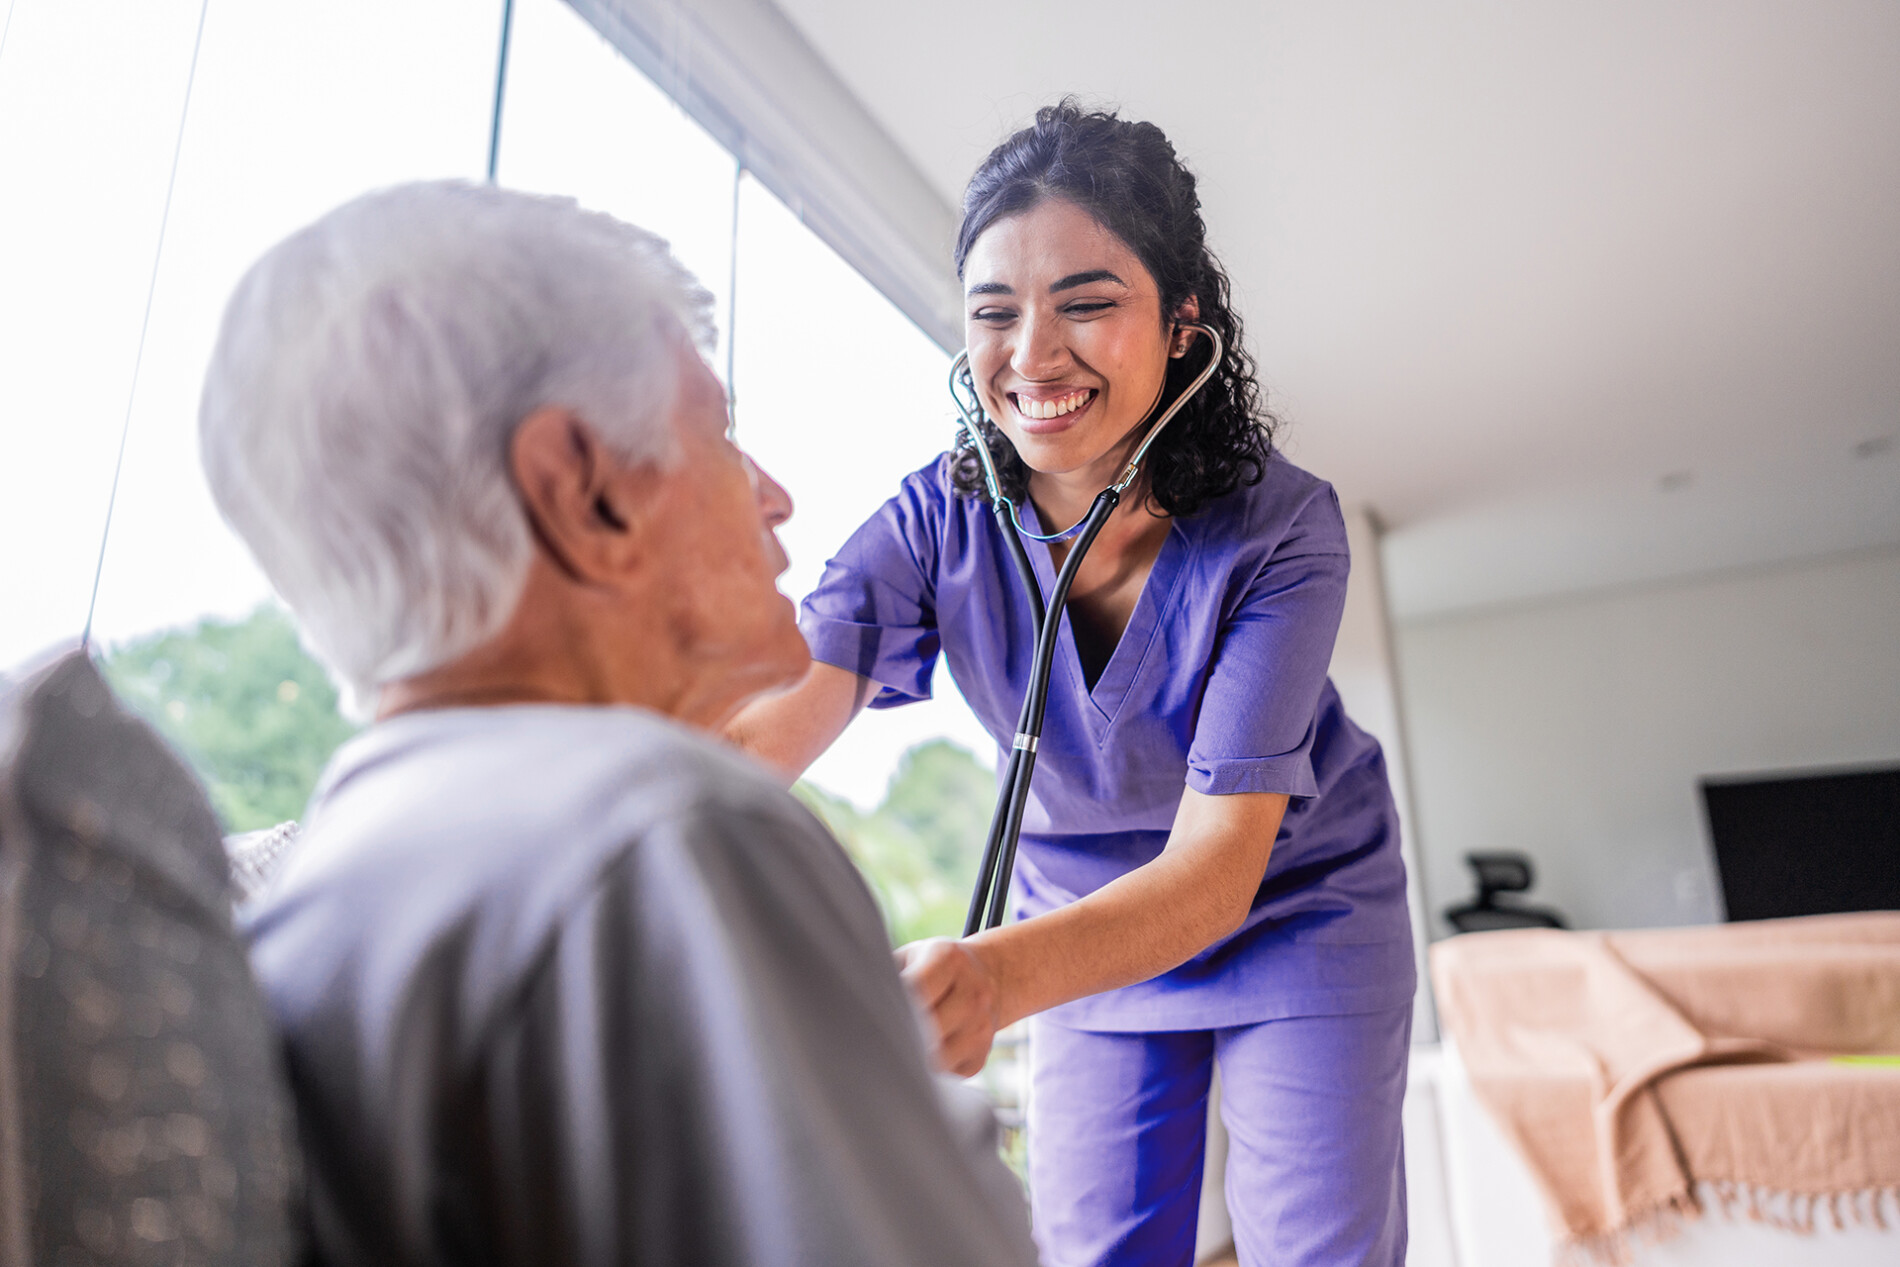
(1219, 684)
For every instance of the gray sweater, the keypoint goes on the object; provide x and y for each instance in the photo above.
(576, 986)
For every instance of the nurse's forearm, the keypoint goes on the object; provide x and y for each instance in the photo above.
(1155, 918)
(789, 730)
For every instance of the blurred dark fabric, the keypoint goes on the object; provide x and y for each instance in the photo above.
(144, 1116)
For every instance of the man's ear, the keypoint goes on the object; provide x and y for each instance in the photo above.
(573, 489)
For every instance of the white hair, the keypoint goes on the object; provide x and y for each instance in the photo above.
(367, 381)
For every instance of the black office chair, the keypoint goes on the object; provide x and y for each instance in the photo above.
(1501, 873)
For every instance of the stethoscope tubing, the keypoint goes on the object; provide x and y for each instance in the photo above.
(989, 899)
(1006, 823)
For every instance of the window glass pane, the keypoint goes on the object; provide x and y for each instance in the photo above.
(839, 394)
(582, 121)
(296, 106)
(839, 397)
(83, 158)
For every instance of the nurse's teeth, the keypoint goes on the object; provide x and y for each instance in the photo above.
(1053, 408)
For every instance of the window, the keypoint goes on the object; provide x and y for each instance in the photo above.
(293, 108)
(840, 397)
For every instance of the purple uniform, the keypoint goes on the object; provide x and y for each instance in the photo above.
(1218, 684)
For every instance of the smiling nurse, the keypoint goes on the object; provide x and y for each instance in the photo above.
(1209, 871)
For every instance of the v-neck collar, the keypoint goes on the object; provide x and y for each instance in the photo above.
(1132, 649)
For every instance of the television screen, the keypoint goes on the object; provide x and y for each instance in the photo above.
(1807, 844)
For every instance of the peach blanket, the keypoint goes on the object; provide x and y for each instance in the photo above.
(1628, 1067)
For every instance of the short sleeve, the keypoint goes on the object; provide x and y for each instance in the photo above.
(874, 610)
(1260, 708)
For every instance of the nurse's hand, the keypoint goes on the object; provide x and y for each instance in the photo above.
(950, 981)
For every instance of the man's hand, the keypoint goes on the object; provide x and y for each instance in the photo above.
(950, 980)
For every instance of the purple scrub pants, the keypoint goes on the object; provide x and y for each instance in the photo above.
(1315, 1173)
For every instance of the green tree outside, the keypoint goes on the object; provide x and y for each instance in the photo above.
(920, 847)
(251, 712)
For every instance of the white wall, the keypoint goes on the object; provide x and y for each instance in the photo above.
(1366, 672)
(1576, 730)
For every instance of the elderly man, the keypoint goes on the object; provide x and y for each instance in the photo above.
(561, 980)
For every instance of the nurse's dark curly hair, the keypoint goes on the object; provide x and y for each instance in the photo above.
(1126, 175)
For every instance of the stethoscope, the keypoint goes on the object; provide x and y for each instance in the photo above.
(991, 894)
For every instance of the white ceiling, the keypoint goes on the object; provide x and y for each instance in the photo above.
(1571, 295)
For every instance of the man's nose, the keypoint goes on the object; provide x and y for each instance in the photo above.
(775, 504)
